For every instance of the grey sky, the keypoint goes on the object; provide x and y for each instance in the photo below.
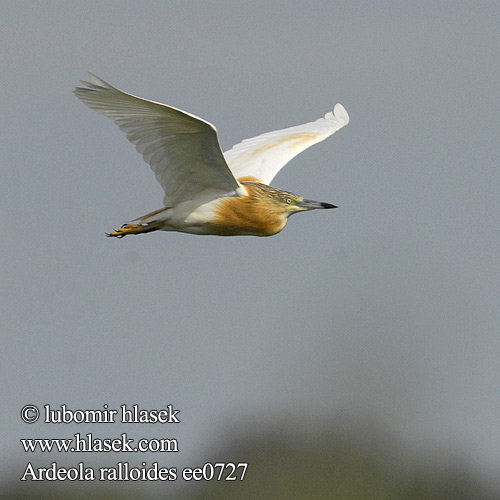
(387, 306)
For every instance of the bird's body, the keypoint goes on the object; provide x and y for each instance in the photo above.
(206, 191)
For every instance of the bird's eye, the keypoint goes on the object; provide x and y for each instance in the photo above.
(288, 201)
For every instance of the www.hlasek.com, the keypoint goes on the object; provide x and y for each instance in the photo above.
(121, 471)
(87, 443)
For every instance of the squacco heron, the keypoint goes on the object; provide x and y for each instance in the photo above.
(207, 191)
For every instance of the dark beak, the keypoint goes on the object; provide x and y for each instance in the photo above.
(313, 205)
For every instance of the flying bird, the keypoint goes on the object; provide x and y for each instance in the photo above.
(208, 191)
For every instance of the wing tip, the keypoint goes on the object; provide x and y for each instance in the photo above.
(340, 112)
(338, 115)
(95, 83)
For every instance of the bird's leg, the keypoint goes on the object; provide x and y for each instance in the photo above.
(128, 229)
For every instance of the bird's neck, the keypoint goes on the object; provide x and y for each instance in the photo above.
(254, 214)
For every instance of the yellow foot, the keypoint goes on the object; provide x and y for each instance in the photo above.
(127, 229)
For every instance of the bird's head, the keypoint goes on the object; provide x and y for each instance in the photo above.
(283, 202)
(292, 203)
(267, 208)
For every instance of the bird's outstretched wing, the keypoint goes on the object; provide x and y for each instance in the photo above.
(265, 155)
(182, 149)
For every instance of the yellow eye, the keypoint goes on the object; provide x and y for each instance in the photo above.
(288, 201)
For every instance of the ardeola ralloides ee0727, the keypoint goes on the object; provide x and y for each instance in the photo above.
(206, 191)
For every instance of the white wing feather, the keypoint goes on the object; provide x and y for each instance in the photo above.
(265, 155)
(182, 149)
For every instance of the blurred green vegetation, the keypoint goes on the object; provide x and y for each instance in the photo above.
(348, 461)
